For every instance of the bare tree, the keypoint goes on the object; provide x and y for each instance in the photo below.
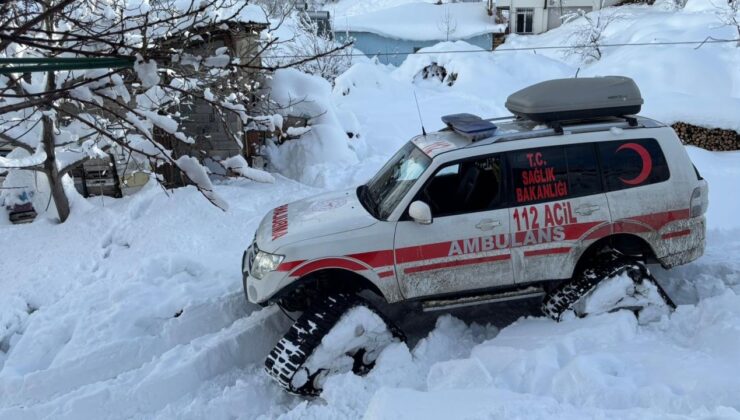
(587, 38)
(729, 14)
(333, 58)
(62, 117)
(447, 24)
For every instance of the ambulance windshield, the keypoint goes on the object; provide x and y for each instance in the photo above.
(389, 186)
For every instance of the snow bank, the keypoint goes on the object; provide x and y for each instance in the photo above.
(132, 303)
(678, 82)
(423, 21)
(315, 156)
(601, 367)
(383, 94)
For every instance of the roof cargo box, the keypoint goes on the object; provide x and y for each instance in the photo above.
(576, 99)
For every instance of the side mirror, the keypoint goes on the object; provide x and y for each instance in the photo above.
(420, 212)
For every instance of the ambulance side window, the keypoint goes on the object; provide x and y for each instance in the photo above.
(465, 187)
(583, 170)
(554, 173)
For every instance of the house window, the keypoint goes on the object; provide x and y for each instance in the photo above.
(524, 19)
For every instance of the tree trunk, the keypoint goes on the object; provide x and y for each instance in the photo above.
(50, 164)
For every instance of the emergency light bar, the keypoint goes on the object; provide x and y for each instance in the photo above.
(470, 126)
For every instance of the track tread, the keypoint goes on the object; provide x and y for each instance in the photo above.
(297, 345)
(604, 266)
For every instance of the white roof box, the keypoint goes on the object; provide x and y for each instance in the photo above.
(576, 99)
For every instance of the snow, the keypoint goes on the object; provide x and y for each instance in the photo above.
(134, 307)
(37, 158)
(148, 319)
(198, 175)
(246, 13)
(146, 70)
(678, 82)
(240, 166)
(359, 328)
(622, 292)
(313, 157)
(423, 22)
(360, 7)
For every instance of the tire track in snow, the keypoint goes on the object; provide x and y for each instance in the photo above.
(165, 378)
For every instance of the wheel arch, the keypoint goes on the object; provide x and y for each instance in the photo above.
(626, 243)
(330, 279)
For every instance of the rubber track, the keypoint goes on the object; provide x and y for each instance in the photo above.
(609, 265)
(292, 351)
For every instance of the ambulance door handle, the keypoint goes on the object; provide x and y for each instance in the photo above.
(586, 209)
(487, 224)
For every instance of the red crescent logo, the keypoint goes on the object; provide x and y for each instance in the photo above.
(647, 163)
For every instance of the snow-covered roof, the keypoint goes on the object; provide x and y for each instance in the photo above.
(423, 22)
(250, 13)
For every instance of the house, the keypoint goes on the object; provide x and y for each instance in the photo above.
(213, 133)
(391, 34)
(537, 16)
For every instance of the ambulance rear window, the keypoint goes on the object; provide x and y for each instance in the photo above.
(632, 163)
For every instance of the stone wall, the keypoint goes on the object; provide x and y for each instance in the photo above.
(707, 138)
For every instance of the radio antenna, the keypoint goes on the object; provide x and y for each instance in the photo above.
(418, 110)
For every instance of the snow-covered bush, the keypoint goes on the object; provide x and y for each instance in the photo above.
(361, 75)
(326, 143)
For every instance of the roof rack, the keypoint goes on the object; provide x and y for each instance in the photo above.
(558, 125)
(573, 127)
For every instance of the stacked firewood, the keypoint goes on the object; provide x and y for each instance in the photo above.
(707, 138)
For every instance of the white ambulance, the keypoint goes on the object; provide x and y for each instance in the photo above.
(573, 191)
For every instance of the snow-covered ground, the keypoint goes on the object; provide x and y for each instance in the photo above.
(134, 307)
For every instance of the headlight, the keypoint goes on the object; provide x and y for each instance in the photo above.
(265, 263)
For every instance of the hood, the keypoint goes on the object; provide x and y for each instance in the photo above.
(322, 215)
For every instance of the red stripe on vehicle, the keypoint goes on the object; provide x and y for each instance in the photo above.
(456, 263)
(289, 265)
(385, 274)
(416, 253)
(561, 250)
(328, 263)
(380, 258)
(423, 252)
(676, 234)
(658, 220)
(577, 230)
(600, 232)
(629, 226)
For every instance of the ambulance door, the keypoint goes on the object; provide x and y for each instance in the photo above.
(559, 209)
(465, 248)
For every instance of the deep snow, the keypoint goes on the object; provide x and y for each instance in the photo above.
(134, 308)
